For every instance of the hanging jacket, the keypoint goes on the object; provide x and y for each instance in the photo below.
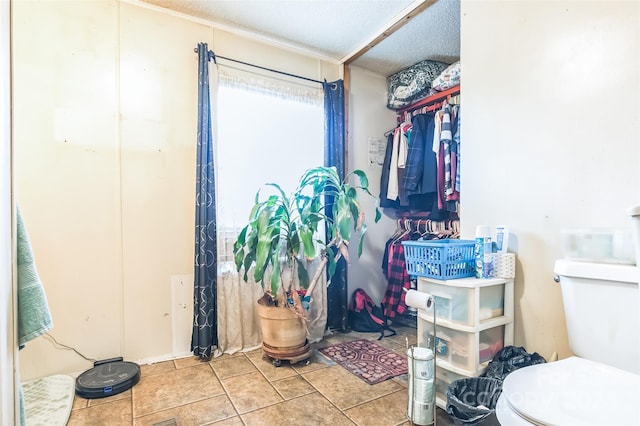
(392, 190)
(420, 170)
(384, 178)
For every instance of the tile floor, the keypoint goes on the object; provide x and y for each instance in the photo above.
(246, 389)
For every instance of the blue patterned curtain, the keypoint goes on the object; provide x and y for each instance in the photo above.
(205, 333)
(334, 155)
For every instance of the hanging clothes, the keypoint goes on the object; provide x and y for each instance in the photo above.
(392, 188)
(446, 140)
(421, 170)
(446, 161)
(395, 270)
(419, 176)
(450, 195)
(385, 202)
(456, 147)
(405, 130)
(436, 134)
(392, 193)
(398, 281)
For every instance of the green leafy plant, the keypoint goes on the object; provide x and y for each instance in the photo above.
(283, 232)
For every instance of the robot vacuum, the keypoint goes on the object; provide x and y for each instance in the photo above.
(106, 378)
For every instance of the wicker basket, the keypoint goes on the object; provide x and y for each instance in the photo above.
(504, 265)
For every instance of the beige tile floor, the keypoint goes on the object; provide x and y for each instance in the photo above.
(247, 389)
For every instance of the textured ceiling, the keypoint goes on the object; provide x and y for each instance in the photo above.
(335, 28)
(434, 34)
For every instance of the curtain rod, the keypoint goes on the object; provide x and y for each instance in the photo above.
(214, 56)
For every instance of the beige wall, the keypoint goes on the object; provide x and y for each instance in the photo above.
(369, 118)
(105, 133)
(550, 135)
(67, 166)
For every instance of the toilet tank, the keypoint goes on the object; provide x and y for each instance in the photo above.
(601, 305)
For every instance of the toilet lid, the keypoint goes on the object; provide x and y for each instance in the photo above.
(574, 391)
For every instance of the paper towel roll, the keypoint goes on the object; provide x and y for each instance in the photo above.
(419, 300)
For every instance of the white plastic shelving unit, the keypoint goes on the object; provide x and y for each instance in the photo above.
(474, 320)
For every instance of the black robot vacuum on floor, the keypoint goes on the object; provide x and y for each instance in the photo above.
(107, 377)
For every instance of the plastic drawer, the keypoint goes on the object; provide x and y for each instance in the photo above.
(443, 379)
(456, 348)
(457, 304)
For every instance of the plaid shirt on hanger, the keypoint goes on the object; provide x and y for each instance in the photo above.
(398, 279)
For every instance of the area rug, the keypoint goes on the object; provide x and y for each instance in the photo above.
(368, 360)
(48, 401)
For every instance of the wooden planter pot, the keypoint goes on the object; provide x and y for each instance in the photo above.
(283, 334)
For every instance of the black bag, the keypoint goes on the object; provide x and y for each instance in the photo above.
(511, 358)
(365, 316)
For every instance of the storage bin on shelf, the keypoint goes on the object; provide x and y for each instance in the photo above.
(460, 349)
(473, 320)
(457, 304)
(440, 259)
(443, 379)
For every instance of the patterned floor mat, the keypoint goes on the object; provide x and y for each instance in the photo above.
(48, 401)
(369, 361)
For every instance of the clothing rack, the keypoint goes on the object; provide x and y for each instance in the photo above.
(441, 229)
(421, 215)
(430, 103)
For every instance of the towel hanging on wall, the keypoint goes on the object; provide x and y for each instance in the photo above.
(34, 317)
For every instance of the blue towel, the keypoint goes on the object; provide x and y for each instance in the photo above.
(34, 318)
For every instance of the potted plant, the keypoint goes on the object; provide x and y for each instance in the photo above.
(281, 239)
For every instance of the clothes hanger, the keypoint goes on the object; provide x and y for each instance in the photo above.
(415, 227)
(401, 231)
(424, 232)
(388, 132)
(406, 125)
(407, 228)
(398, 229)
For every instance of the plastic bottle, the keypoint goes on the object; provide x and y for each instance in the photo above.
(502, 239)
(483, 252)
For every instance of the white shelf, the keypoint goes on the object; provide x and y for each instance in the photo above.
(467, 373)
(484, 324)
(470, 282)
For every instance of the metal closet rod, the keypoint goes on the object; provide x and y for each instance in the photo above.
(214, 56)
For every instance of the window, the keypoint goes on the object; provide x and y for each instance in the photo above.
(264, 135)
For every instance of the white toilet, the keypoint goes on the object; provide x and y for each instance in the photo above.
(601, 384)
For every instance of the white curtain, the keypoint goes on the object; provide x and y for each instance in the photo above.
(284, 87)
(238, 322)
(238, 325)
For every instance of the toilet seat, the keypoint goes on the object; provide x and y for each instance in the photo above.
(573, 391)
